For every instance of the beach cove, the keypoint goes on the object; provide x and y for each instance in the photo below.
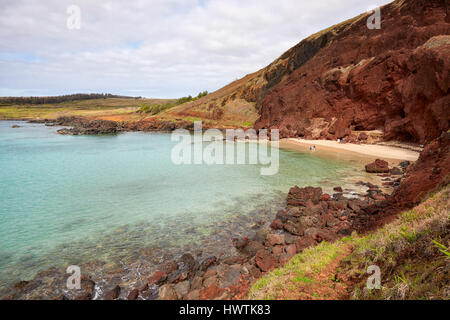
(133, 224)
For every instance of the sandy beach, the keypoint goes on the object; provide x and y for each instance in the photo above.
(347, 151)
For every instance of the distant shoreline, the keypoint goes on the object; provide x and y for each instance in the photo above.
(327, 148)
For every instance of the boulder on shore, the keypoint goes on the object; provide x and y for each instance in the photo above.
(304, 196)
(378, 166)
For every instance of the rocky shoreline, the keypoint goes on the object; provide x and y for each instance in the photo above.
(309, 217)
(84, 126)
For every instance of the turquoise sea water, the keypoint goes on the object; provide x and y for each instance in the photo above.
(69, 199)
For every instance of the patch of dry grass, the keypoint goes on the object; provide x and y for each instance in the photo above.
(412, 253)
(93, 107)
(305, 276)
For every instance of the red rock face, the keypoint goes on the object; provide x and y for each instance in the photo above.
(395, 79)
(429, 173)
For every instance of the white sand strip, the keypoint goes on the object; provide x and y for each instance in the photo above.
(369, 150)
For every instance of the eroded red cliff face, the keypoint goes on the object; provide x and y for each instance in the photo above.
(429, 173)
(395, 79)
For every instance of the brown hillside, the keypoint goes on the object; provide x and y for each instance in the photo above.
(248, 93)
(348, 78)
(395, 79)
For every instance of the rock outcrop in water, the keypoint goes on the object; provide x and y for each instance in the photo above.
(83, 127)
(86, 126)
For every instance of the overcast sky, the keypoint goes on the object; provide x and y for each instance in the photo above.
(152, 48)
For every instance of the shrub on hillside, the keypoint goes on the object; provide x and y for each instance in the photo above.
(158, 108)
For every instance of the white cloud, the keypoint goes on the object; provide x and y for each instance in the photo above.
(159, 48)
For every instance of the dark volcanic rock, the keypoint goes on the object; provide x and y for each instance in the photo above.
(167, 292)
(84, 127)
(252, 248)
(294, 227)
(275, 239)
(277, 224)
(113, 294)
(240, 243)
(170, 267)
(211, 292)
(207, 263)
(304, 242)
(404, 165)
(396, 171)
(133, 295)
(188, 265)
(363, 136)
(157, 278)
(87, 289)
(265, 261)
(302, 196)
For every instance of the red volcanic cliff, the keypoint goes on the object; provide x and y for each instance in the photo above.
(429, 173)
(395, 79)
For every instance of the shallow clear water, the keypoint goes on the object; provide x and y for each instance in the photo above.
(68, 199)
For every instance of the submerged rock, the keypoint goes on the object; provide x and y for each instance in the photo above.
(157, 278)
(133, 295)
(240, 243)
(167, 292)
(396, 171)
(113, 294)
(182, 289)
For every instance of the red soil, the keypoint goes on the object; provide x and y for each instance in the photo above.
(395, 79)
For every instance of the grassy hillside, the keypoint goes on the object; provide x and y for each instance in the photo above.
(91, 108)
(412, 253)
(239, 101)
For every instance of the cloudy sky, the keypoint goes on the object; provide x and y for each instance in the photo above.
(152, 48)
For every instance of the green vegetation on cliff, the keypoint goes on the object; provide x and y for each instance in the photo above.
(158, 108)
(412, 253)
